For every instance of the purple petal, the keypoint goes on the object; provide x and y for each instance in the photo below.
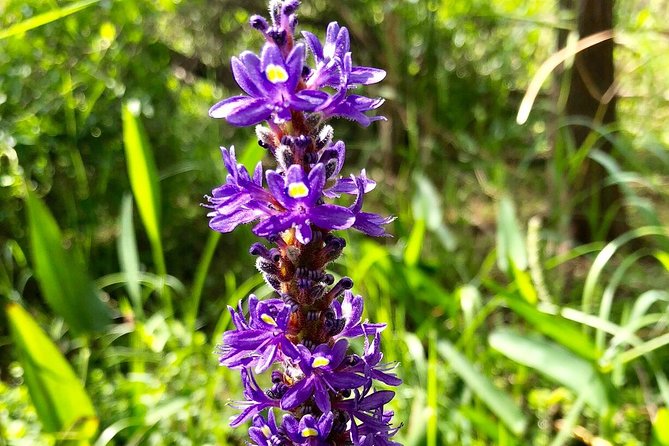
(372, 224)
(277, 187)
(245, 415)
(316, 183)
(338, 352)
(266, 359)
(346, 380)
(330, 40)
(322, 397)
(325, 423)
(303, 233)
(376, 400)
(271, 55)
(314, 45)
(331, 216)
(308, 100)
(366, 75)
(241, 110)
(254, 71)
(294, 64)
(227, 223)
(274, 225)
(342, 44)
(297, 394)
(243, 79)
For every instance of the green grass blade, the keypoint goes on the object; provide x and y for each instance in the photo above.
(510, 239)
(145, 185)
(497, 400)
(200, 277)
(56, 392)
(555, 327)
(555, 362)
(45, 18)
(61, 274)
(605, 255)
(128, 257)
(142, 171)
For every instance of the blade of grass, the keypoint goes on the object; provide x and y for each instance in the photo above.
(588, 296)
(432, 391)
(61, 274)
(45, 18)
(128, 257)
(145, 186)
(56, 392)
(510, 239)
(555, 327)
(200, 277)
(497, 400)
(555, 362)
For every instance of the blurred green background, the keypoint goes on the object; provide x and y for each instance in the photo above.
(525, 286)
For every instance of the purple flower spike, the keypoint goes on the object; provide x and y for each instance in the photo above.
(321, 375)
(299, 194)
(321, 391)
(270, 83)
(337, 45)
(259, 343)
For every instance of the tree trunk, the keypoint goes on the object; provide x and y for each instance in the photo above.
(592, 98)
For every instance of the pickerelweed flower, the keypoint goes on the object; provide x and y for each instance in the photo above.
(321, 392)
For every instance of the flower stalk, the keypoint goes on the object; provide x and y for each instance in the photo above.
(321, 392)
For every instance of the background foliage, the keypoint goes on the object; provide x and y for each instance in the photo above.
(508, 329)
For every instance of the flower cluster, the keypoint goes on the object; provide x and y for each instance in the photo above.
(322, 392)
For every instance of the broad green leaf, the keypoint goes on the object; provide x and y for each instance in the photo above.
(45, 18)
(510, 239)
(555, 362)
(556, 327)
(141, 170)
(56, 392)
(61, 274)
(661, 428)
(127, 254)
(497, 400)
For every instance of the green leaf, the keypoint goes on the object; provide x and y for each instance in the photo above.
(45, 18)
(56, 392)
(497, 400)
(141, 170)
(556, 327)
(510, 239)
(145, 186)
(128, 257)
(555, 362)
(61, 274)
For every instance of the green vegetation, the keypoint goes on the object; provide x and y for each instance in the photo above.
(515, 323)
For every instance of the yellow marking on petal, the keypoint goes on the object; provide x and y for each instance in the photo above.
(298, 190)
(309, 432)
(266, 318)
(266, 431)
(276, 74)
(319, 361)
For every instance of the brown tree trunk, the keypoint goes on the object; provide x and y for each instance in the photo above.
(592, 98)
